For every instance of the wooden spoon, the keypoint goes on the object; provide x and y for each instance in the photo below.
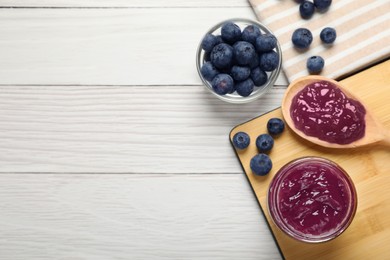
(374, 132)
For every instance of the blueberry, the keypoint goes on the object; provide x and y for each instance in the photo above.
(258, 77)
(322, 5)
(269, 61)
(241, 140)
(255, 62)
(315, 64)
(250, 33)
(244, 52)
(275, 126)
(240, 73)
(208, 42)
(245, 88)
(302, 38)
(206, 56)
(265, 42)
(209, 71)
(261, 164)
(219, 39)
(233, 88)
(222, 84)
(306, 9)
(222, 55)
(264, 142)
(230, 32)
(328, 35)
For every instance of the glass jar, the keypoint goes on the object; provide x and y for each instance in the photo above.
(312, 199)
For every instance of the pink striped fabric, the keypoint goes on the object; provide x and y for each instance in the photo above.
(362, 26)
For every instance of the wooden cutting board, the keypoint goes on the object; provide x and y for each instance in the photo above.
(368, 237)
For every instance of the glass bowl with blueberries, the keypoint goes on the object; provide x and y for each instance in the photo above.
(238, 60)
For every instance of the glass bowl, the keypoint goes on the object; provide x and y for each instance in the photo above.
(258, 91)
(312, 199)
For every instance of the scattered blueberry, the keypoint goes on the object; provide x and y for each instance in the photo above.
(328, 35)
(265, 42)
(264, 142)
(222, 84)
(261, 164)
(302, 38)
(322, 5)
(244, 52)
(245, 88)
(315, 64)
(208, 71)
(275, 126)
(240, 73)
(258, 77)
(230, 32)
(306, 9)
(208, 42)
(222, 55)
(241, 140)
(250, 33)
(269, 61)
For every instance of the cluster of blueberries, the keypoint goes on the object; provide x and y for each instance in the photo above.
(261, 163)
(302, 37)
(307, 8)
(237, 61)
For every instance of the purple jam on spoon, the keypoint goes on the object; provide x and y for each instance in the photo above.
(322, 110)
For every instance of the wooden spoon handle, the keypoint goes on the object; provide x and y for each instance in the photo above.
(386, 138)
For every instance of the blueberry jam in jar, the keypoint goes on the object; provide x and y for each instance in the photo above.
(312, 199)
(322, 110)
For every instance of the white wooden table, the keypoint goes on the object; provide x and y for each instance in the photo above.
(110, 147)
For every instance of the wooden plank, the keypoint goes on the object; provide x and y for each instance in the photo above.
(181, 129)
(50, 216)
(106, 46)
(125, 3)
(368, 235)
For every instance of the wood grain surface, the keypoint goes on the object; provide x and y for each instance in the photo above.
(193, 4)
(134, 216)
(98, 46)
(368, 235)
(90, 89)
(143, 129)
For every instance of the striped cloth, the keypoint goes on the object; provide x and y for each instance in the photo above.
(363, 34)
